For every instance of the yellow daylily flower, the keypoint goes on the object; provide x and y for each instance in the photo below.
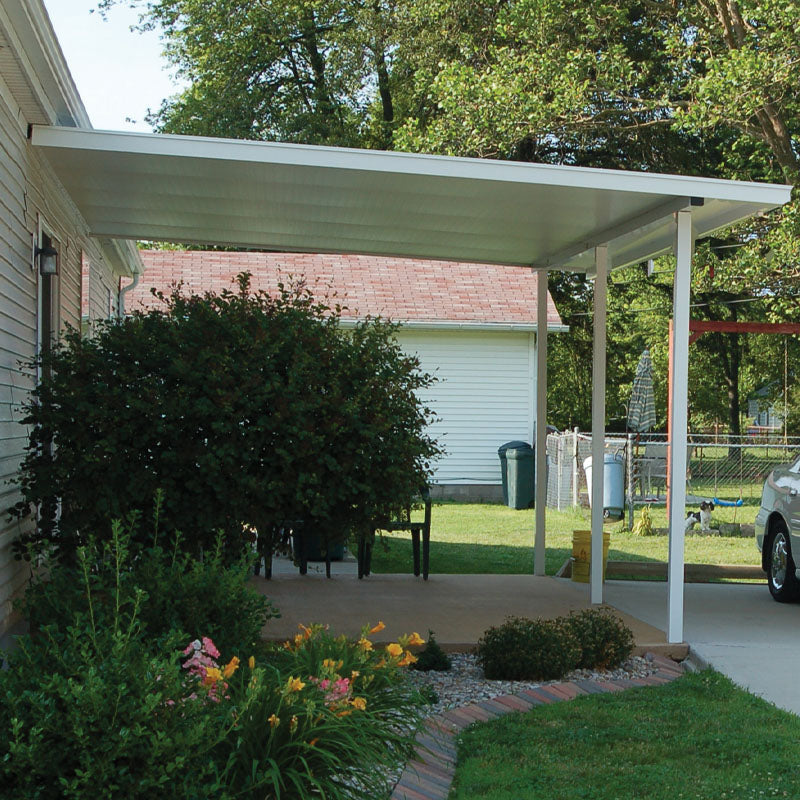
(378, 628)
(394, 649)
(274, 721)
(251, 662)
(416, 639)
(294, 685)
(358, 702)
(365, 644)
(212, 676)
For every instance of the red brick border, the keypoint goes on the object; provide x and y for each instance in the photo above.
(430, 775)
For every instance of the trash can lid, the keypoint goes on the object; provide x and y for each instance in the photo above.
(516, 445)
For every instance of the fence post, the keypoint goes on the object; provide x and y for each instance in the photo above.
(560, 482)
(575, 471)
(629, 472)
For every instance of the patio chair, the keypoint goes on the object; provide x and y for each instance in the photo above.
(367, 539)
(653, 468)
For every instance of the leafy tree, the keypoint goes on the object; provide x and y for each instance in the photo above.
(246, 410)
(703, 87)
(310, 71)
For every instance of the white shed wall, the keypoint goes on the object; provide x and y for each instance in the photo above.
(28, 192)
(485, 396)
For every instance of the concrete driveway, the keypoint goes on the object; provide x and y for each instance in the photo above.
(736, 628)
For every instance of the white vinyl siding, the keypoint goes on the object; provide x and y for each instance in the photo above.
(28, 193)
(484, 396)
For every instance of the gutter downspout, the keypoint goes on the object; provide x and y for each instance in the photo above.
(123, 291)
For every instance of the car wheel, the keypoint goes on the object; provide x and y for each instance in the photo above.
(783, 584)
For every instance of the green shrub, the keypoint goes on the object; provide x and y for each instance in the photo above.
(605, 640)
(528, 649)
(432, 657)
(247, 410)
(177, 592)
(94, 707)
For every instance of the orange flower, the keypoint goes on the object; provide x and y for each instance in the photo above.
(294, 685)
(344, 713)
(394, 650)
(354, 674)
(287, 645)
(251, 662)
(274, 721)
(365, 644)
(358, 702)
(408, 658)
(381, 663)
(299, 639)
(306, 631)
(231, 667)
(378, 628)
(416, 639)
(313, 741)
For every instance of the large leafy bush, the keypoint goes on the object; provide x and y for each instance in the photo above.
(248, 411)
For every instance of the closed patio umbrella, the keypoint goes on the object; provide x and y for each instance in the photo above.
(642, 408)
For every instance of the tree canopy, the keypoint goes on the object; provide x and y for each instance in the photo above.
(702, 87)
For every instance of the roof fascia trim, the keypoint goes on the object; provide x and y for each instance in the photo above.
(379, 161)
(496, 327)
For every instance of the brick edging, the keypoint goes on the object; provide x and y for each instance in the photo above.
(429, 775)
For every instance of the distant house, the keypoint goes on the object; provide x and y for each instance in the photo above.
(762, 416)
(37, 213)
(472, 325)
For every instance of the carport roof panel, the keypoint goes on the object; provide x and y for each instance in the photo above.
(320, 199)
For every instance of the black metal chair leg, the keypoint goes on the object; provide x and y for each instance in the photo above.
(426, 553)
(415, 545)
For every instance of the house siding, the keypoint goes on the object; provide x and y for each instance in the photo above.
(484, 397)
(28, 193)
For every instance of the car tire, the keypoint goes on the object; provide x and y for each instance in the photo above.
(783, 584)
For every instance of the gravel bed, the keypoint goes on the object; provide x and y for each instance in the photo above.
(464, 682)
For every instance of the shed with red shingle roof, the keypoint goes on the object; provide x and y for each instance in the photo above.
(472, 325)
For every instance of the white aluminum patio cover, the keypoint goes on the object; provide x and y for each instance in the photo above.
(290, 197)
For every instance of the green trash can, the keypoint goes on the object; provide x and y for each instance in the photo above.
(518, 471)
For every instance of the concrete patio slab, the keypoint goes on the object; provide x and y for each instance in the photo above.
(736, 628)
(458, 608)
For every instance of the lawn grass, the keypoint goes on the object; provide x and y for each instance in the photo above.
(475, 538)
(698, 737)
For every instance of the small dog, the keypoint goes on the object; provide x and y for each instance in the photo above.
(703, 516)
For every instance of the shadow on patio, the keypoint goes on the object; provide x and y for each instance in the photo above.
(458, 608)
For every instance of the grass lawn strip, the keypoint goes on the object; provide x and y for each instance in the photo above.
(430, 775)
(699, 737)
(484, 538)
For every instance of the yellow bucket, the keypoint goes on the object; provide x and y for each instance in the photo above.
(582, 555)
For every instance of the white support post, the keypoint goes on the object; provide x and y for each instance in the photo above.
(541, 421)
(684, 245)
(598, 422)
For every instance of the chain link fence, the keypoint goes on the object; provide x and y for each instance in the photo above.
(724, 467)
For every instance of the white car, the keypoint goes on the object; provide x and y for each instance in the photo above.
(778, 531)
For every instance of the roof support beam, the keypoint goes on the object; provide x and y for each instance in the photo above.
(541, 421)
(600, 237)
(598, 422)
(684, 246)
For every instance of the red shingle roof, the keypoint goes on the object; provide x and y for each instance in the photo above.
(403, 290)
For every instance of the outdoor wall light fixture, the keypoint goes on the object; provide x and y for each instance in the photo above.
(48, 260)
